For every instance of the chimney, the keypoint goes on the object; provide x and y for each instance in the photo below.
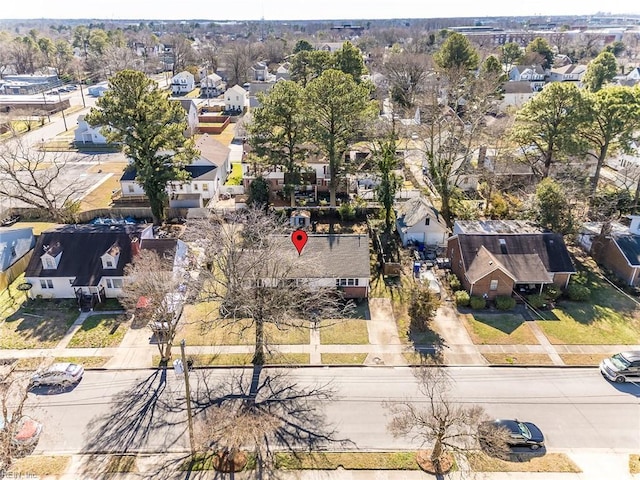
(135, 246)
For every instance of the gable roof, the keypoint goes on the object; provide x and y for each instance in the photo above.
(238, 90)
(520, 86)
(483, 264)
(14, 244)
(184, 74)
(212, 150)
(186, 103)
(330, 256)
(630, 247)
(534, 68)
(415, 210)
(527, 256)
(82, 247)
(202, 172)
(573, 68)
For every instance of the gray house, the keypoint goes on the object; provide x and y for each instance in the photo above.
(15, 246)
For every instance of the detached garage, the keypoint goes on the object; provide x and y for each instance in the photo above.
(419, 222)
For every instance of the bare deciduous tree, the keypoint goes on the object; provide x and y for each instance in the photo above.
(255, 276)
(443, 424)
(258, 411)
(153, 293)
(37, 179)
(14, 388)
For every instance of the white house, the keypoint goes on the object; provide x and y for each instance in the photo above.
(183, 82)
(516, 94)
(208, 173)
(235, 98)
(191, 111)
(85, 133)
(212, 85)
(259, 72)
(87, 262)
(568, 73)
(282, 73)
(332, 261)
(418, 221)
(534, 74)
(98, 90)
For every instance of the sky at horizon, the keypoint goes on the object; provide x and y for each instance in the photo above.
(297, 10)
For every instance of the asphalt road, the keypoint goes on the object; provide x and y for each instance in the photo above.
(144, 411)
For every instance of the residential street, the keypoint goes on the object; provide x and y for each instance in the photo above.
(144, 411)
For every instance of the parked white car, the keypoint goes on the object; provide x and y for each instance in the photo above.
(58, 374)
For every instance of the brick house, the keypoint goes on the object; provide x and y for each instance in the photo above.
(498, 263)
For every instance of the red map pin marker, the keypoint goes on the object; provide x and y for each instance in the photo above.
(299, 239)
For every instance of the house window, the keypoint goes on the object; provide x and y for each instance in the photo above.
(205, 187)
(109, 284)
(195, 187)
(109, 264)
(181, 187)
(347, 282)
(494, 285)
(49, 263)
(46, 283)
(117, 283)
(130, 188)
(427, 220)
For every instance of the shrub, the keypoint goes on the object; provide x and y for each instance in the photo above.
(422, 308)
(477, 303)
(347, 211)
(536, 301)
(578, 293)
(505, 303)
(462, 298)
(454, 282)
(552, 292)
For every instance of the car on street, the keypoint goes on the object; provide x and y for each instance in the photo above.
(27, 431)
(517, 433)
(621, 367)
(58, 374)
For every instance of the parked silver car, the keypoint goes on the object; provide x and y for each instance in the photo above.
(58, 374)
(621, 367)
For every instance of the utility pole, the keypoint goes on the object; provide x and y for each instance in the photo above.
(64, 119)
(185, 369)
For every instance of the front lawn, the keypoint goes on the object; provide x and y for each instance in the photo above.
(242, 359)
(99, 331)
(518, 358)
(498, 329)
(590, 324)
(607, 318)
(522, 462)
(37, 324)
(344, 332)
(343, 358)
(200, 326)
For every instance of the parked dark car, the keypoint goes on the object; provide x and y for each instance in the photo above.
(518, 434)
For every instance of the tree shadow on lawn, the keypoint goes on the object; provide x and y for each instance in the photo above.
(41, 324)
